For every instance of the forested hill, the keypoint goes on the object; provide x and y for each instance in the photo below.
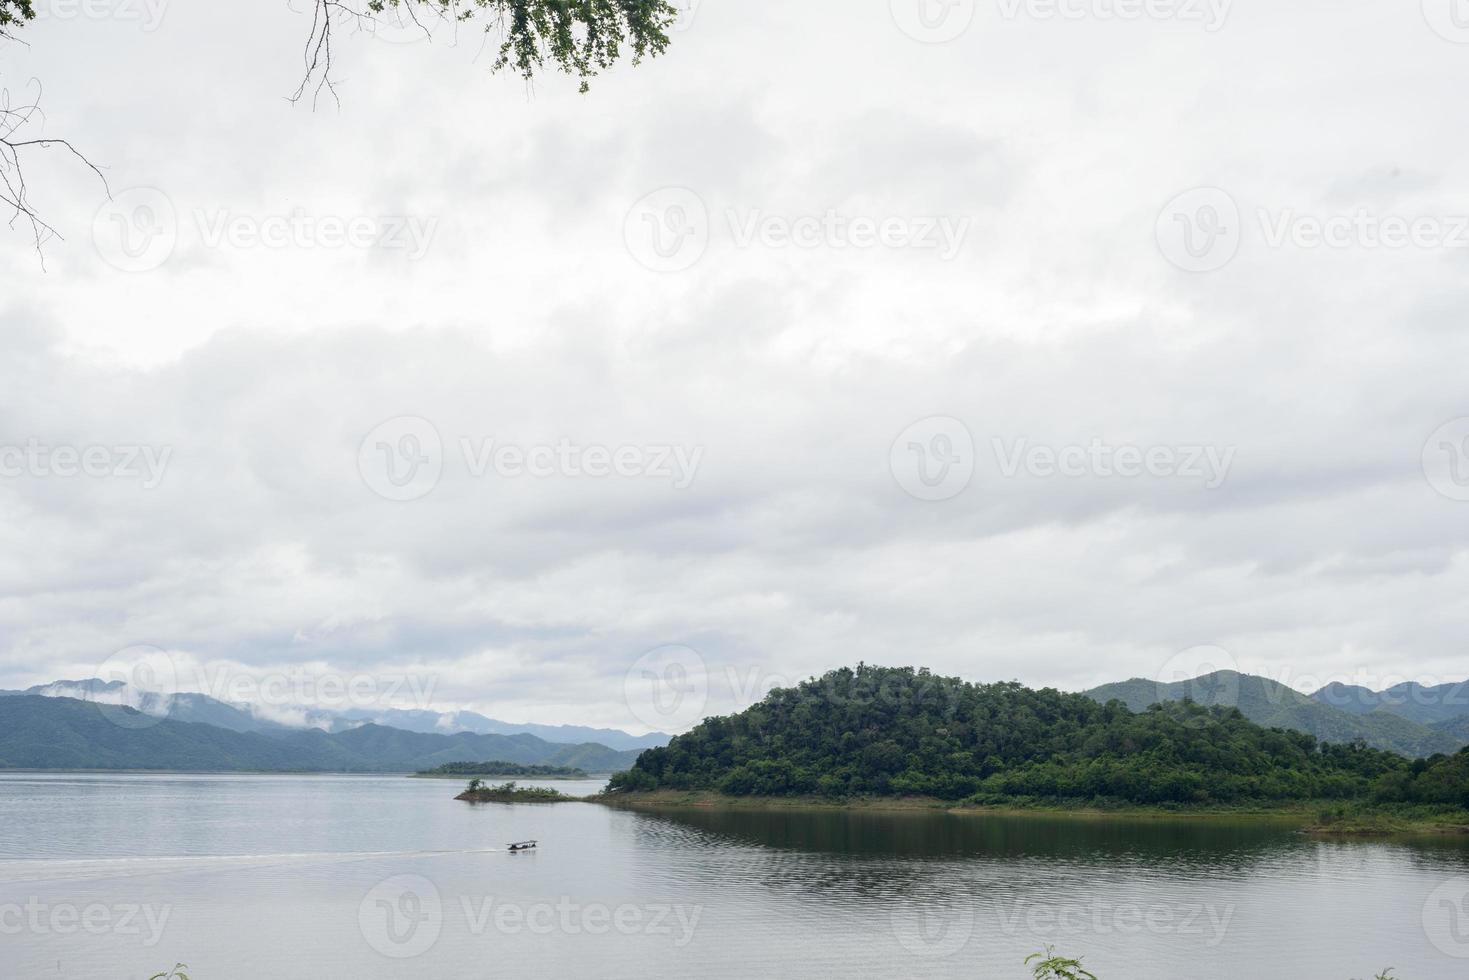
(1274, 705)
(899, 731)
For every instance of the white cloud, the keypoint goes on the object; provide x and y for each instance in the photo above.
(793, 369)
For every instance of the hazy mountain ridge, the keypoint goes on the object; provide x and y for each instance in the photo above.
(40, 732)
(1439, 704)
(1274, 705)
(243, 717)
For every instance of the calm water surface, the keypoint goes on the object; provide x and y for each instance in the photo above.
(121, 876)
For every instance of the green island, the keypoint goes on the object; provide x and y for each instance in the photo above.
(500, 768)
(480, 792)
(885, 737)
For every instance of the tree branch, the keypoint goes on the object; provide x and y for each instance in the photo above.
(578, 37)
(14, 190)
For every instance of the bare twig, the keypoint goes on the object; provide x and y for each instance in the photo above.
(14, 190)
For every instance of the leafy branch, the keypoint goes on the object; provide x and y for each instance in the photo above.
(578, 37)
(1053, 967)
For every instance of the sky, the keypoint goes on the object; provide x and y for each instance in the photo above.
(1059, 341)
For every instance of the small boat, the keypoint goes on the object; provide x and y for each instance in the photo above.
(524, 845)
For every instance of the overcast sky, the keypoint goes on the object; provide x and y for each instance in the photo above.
(1021, 347)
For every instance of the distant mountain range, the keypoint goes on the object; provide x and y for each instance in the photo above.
(1436, 705)
(246, 718)
(66, 725)
(1406, 719)
(49, 732)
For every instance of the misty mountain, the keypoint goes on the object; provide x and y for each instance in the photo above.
(1275, 705)
(248, 718)
(180, 707)
(40, 732)
(469, 721)
(1425, 705)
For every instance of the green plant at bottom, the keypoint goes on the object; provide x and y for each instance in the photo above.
(1053, 967)
(177, 973)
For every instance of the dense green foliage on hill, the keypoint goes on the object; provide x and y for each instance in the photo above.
(501, 768)
(897, 731)
(64, 733)
(1275, 705)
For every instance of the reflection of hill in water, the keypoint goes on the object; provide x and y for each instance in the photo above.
(935, 834)
(872, 851)
(995, 867)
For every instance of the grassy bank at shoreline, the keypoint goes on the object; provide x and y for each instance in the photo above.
(1324, 818)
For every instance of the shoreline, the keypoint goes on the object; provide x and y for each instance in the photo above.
(1305, 816)
(590, 777)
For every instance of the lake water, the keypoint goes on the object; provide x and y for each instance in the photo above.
(121, 876)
